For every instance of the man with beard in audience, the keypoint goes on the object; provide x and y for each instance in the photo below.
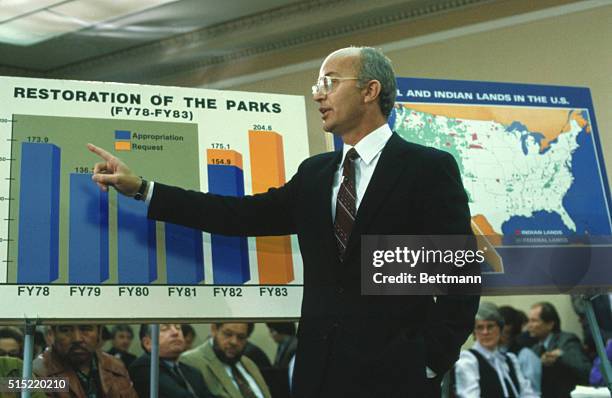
(228, 373)
(74, 355)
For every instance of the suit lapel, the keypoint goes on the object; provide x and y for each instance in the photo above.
(216, 367)
(388, 170)
(324, 201)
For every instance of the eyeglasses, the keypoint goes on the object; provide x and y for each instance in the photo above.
(485, 327)
(325, 84)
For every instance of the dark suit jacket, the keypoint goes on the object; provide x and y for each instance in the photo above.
(572, 367)
(285, 353)
(170, 385)
(349, 344)
(125, 357)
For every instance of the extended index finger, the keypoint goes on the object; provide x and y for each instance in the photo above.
(100, 152)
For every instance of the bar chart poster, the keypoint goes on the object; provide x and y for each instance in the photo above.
(70, 250)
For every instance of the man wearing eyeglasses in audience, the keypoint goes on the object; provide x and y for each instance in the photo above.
(349, 344)
(74, 354)
(228, 373)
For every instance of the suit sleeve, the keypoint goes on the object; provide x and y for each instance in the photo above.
(140, 377)
(451, 318)
(574, 360)
(265, 214)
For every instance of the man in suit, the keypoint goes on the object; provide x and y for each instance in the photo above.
(176, 379)
(349, 344)
(121, 339)
(564, 364)
(283, 334)
(228, 373)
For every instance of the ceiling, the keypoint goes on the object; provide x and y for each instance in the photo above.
(127, 32)
(184, 35)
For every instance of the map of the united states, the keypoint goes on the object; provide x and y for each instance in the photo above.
(526, 170)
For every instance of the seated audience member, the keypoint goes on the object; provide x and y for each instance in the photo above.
(105, 335)
(254, 353)
(596, 377)
(74, 354)
(227, 371)
(283, 334)
(512, 340)
(484, 371)
(121, 339)
(189, 334)
(12, 368)
(564, 364)
(39, 341)
(175, 379)
(602, 308)
(11, 342)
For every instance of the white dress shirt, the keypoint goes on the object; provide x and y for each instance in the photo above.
(467, 374)
(369, 149)
(252, 383)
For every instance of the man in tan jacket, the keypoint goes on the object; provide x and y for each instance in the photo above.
(228, 373)
(74, 355)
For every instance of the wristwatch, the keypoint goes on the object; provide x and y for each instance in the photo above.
(141, 191)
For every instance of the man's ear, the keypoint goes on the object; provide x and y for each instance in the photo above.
(146, 342)
(372, 91)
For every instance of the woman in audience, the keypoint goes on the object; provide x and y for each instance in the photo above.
(484, 371)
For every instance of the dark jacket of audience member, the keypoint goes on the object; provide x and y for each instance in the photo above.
(121, 338)
(170, 384)
(283, 333)
(176, 380)
(114, 378)
(569, 365)
(257, 355)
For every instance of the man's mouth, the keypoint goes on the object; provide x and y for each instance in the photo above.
(324, 112)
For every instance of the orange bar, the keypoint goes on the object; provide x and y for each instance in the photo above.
(123, 146)
(274, 257)
(224, 157)
(267, 160)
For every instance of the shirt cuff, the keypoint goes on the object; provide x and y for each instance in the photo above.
(149, 192)
(430, 373)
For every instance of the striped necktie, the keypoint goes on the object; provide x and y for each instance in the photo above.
(243, 384)
(346, 203)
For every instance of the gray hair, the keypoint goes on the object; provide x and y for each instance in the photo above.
(488, 311)
(376, 66)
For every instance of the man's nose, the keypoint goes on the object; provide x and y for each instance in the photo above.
(318, 96)
(78, 335)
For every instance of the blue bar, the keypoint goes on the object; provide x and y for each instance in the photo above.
(88, 236)
(38, 254)
(136, 244)
(123, 134)
(230, 254)
(184, 255)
